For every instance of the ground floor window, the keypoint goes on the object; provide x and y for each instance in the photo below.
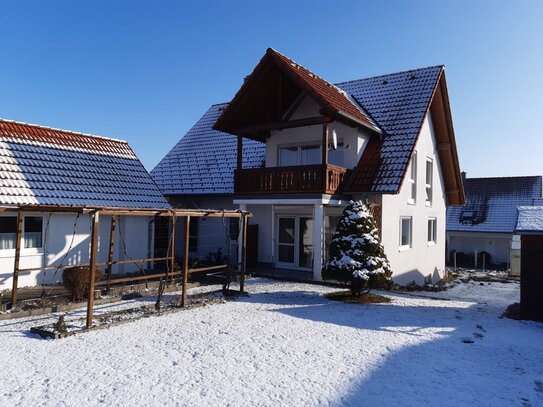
(33, 232)
(8, 232)
(432, 230)
(406, 232)
(294, 241)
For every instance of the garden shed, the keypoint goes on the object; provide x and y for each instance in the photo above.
(530, 228)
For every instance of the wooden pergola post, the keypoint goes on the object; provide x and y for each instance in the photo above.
(186, 263)
(111, 249)
(18, 241)
(243, 252)
(172, 248)
(92, 274)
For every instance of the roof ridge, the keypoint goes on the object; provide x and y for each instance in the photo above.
(507, 177)
(77, 133)
(390, 74)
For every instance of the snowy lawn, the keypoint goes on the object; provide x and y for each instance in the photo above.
(288, 345)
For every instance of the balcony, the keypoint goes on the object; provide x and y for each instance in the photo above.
(322, 179)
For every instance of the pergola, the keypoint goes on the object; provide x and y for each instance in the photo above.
(114, 212)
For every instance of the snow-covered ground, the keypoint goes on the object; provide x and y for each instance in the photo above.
(287, 345)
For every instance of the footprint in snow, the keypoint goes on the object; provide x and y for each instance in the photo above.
(467, 340)
(539, 386)
(479, 326)
(478, 335)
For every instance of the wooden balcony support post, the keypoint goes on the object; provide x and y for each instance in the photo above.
(172, 248)
(18, 241)
(186, 262)
(111, 249)
(240, 152)
(92, 272)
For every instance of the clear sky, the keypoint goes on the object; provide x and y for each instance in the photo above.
(145, 71)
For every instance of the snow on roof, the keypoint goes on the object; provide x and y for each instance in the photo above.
(204, 160)
(491, 203)
(45, 166)
(530, 219)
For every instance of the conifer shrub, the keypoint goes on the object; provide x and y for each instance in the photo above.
(356, 255)
(76, 281)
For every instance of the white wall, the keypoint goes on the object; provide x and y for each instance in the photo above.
(422, 259)
(59, 248)
(356, 138)
(498, 245)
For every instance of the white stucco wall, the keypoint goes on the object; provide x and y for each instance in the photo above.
(355, 138)
(57, 240)
(498, 245)
(422, 259)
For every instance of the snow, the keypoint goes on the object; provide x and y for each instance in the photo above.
(288, 345)
(530, 219)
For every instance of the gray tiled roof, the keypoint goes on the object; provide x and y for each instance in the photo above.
(204, 159)
(494, 203)
(44, 166)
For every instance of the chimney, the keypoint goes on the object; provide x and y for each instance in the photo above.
(463, 175)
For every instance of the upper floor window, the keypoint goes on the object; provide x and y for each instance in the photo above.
(406, 232)
(413, 179)
(429, 180)
(299, 155)
(335, 156)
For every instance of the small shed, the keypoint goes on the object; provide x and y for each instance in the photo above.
(530, 228)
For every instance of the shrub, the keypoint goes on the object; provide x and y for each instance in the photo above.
(76, 281)
(357, 256)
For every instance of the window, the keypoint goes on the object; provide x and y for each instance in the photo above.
(406, 234)
(413, 179)
(429, 179)
(193, 235)
(33, 228)
(300, 155)
(8, 232)
(335, 157)
(432, 230)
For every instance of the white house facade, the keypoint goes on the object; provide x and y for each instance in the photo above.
(306, 147)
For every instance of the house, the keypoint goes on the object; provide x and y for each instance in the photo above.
(294, 149)
(530, 229)
(43, 170)
(486, 222)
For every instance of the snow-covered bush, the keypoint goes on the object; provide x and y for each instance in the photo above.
(356, 255)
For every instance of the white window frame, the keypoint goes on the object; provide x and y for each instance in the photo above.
(432, 231)
(410, 243)
(299, 147)
(26, 250)
(413, 180)
(429, 186)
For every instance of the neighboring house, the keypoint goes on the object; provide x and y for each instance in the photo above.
(310, 146)
(530, 228)
(486, 222)
(41, 166)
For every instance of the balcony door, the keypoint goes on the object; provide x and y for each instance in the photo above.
(299, 155)
(294, 242)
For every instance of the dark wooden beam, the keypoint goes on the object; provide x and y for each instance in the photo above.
(92, 267)
(310, 121)
(172, 249)
(111, 249)
(297, 102)
(325, 143)
(18, 241)
(240, 152)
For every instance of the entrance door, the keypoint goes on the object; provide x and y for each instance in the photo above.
(294, 242)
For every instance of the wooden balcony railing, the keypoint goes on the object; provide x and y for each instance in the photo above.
(324, 179)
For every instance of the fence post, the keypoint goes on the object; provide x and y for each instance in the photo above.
(186, 262)
(18, 239)
(454, 260)
(92, 267)
(475, 259)
(172, 249)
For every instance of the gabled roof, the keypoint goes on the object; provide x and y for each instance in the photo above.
(530, 220)
(491, 203)
(278, 81)
(396, 104)
(203, 161)
(45, 166)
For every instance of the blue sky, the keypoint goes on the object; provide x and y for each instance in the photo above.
(145, 71)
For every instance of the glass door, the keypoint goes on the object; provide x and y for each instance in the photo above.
(305, 238)
(286, 242)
